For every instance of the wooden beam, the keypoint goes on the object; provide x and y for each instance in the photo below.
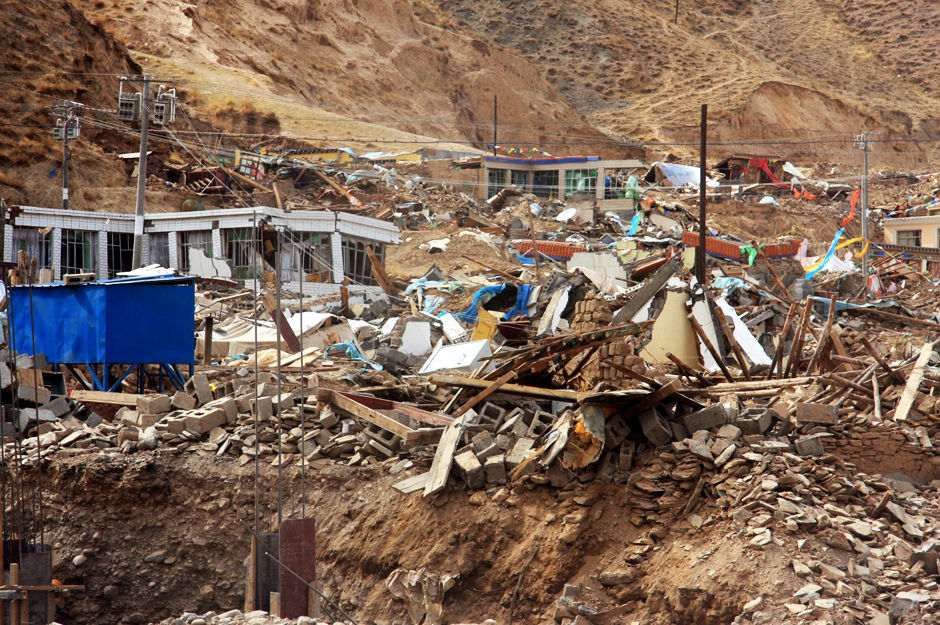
(823, 338)
(410, 437)
(753, 385)
(246, 179)
(777, 362)
(287, 333)
(906, 402)
(796, 350)
(511, 389)
(881, 361)
(489, 390)
(735, 348)
(902, 318)
(647, 291)
(349, 196)
(444, 456)
(700, 333)
(102, 397)
(378, 271)
(508, 276)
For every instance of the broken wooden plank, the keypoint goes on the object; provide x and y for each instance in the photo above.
(735, 348)
(752, 385)
(352, 404)
(444, 456)
(489, 390)
(287, 333)
(378, 272)
(103, 397)
(906, 401)
(412, 484)
(511, 389)
(881, 361)
(777, 362)
(710, 347)
(796, 349)
(647, 291)
(823, 338)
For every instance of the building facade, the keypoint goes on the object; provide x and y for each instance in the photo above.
(321, 248)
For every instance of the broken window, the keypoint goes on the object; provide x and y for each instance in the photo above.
(36, 245)
(196, 239)
(238, 251)
(910, 238)
(357, 266)
(160, 249)
(120, 252)
(79, 251)
(545, 183)
(496, 180)
(314, 256)
(580, 182)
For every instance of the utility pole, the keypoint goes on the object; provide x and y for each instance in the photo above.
(141, 174)
(67, 129)
(161, 110)
(700, 250)
(676, 19)
(495, 121)
(863, 144)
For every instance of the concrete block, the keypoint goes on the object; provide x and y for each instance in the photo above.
(243, 403)
(176, 425)
(32, 395)
(519, 452)
(227, 404)
(755, 420)
(492, 413)
(59, 406)
(32, 415)
(469, 467)
(817, 413)
(153, 404)
(263, 408)
(6, 378)
(654, 428)
(93, 420)
(201, 420)
(541, 422)
(182, 401)
(127, 415)
(484, 445)
(705, 419)
(282, 402)
(198, 385)
(495, 469)
(809, 446)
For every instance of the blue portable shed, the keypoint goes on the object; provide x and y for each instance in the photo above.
(126, 321)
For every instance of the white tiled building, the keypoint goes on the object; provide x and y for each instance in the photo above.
(324, 248)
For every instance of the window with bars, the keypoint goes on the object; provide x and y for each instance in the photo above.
(36, 245)
(195, 239)
(357, 266)
(316, 257)
(160, 248)
(496, 180)
(238, 252)
(519, 178)
(79, 251)
(120, 252)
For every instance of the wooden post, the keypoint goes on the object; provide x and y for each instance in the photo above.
(735, 348)
(207, 341)
(313, 603)
(711, 348)
(251, 586)
(796, 350)
(823, 338)
(15, 604)
(275, 604)
(702, 232)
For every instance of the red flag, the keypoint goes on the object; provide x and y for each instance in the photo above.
(851, 216)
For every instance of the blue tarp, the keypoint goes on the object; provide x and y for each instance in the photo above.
(123, 321)
(522, 303)
(486, 294)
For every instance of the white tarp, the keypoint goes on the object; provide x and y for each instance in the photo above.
(682, 175)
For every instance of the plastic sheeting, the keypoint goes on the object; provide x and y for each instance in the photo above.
(682, 175)
(485, 294)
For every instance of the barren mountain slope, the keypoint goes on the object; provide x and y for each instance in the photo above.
(856, 65)
(322, 65)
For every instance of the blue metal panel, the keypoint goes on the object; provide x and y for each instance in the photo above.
(149, 323)
(69, 322)
(130, 321)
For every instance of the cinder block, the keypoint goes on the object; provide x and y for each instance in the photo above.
(706, 418)
(809, 446)
(541, 422)
(519, 452)
(35, 396)
(283, 402)
(469, 467)
(484, 445)
(492, 413)
(654, 428)
(495, 469)
(198, 385)
(59, 406)
(227, 404)
(201, 420)
(153, 404)
(755, 420)
(263, 408)
(182, 401)
(817, 413)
